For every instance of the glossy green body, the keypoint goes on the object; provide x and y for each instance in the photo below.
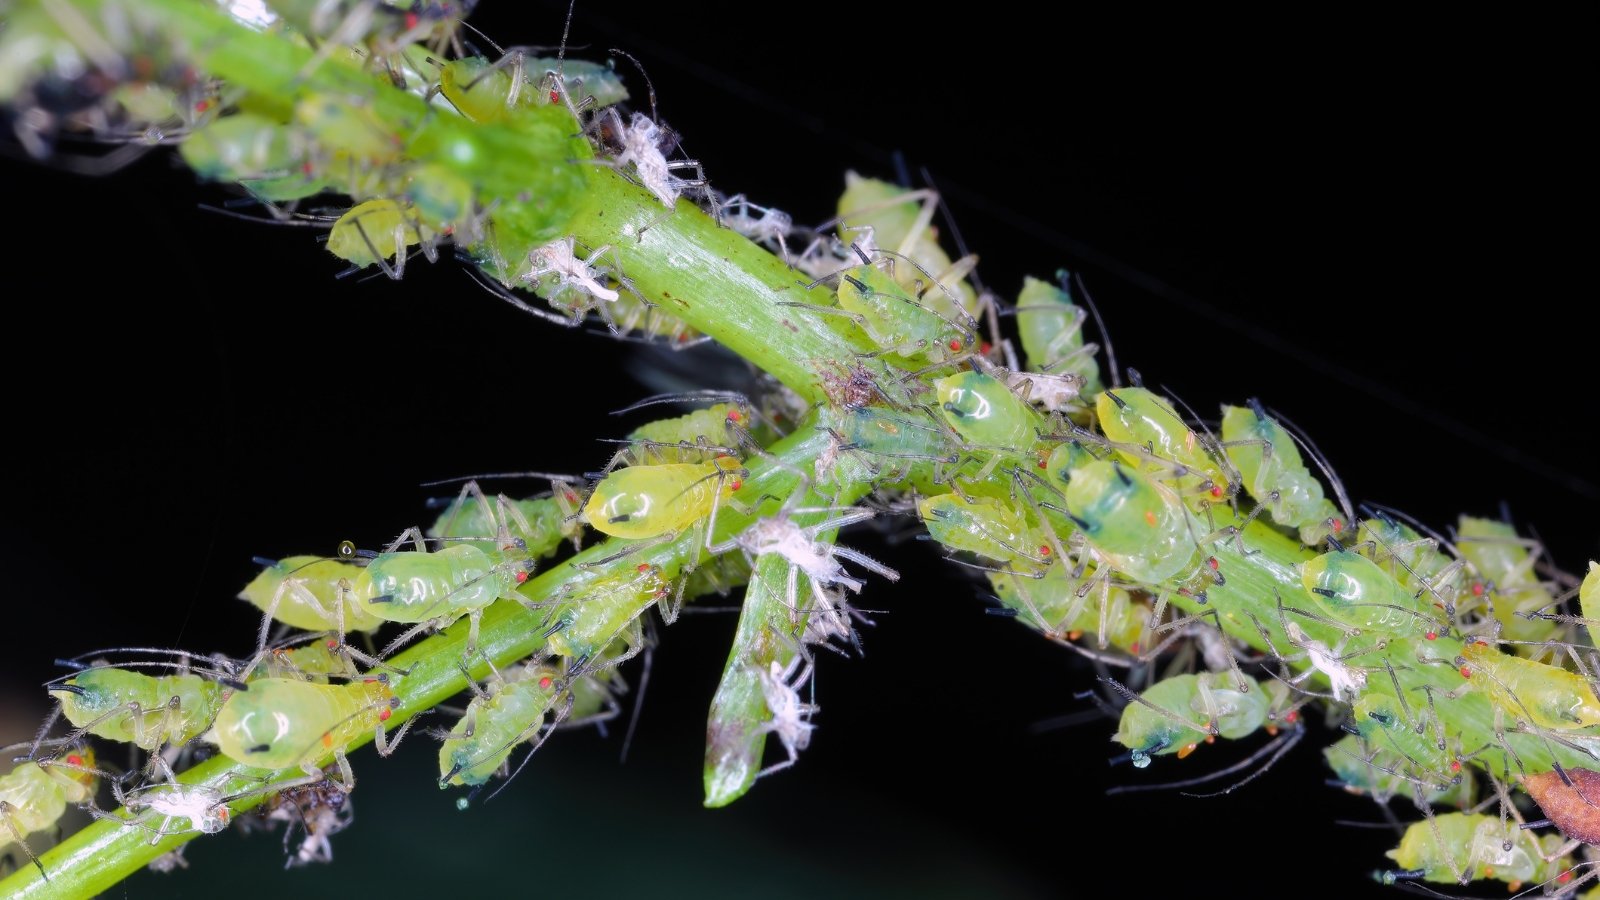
(106, 690)
(987, 414)
(1356, 591)
(281, 723)
(1138, 525)
(330, 582)
(1268, 460)
(512, 715)
(1051, 328)
(1137, 419)
(408, 586)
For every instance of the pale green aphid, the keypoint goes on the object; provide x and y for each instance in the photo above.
(373, 232)
(1137, 524)
(361, 136)
(283, 723)
(901, 221)
(516, 705)
(1141, 424)
(485, 92)
(1051, 326)
(982, 526)
(541, 523)
(267, 157)
(1532, 692)
(1355, 591)
(1189, 709)
(898, 323)
(1589, 600)
(313, 661)
(1416, 562)
(1053, 605)
(1383, 772)
(1502, 559)
(649, 501)
(310, 592)
(144, 710)
(1459, 847)
(1269, 464)
(689, 437)
(439, 587)
(987, 414)
(33, 796)
(1385, 723)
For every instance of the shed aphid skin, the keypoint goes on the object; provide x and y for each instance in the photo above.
(557, 267)
(169, 807)
(35, 794)
(148, 711)
(285, 723)
(1268, 461)
(643, 144)
(513, 710)
(1455, 848)
(789, 717)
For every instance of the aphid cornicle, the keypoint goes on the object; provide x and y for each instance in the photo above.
(144, 710)
(34, 795)
(284, 723)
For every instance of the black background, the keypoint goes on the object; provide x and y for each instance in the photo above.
(1379, 227)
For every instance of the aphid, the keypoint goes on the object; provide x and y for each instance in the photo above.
(644, 144)
(1135, 523)
(898, 324)
(317, 658)
(691, 437)
(1462, 847)
(144, 710)
(900, 221)
(650, 501)
(283, 723)
(541, 523)
(1051, 326)
(1543, 696)
(437, 588)
(386, 28)
(985, 412)
(982, 526)
(374, 232)
(1269, 464)
(1355, 591)
(510, 713)
(1502, 558)
(1383, 721)
(1414, 561)
(1383, 773)
(310, 592)
(489, 92)
(1177, 714)
(1055, 606)
(1147, 432)
(267, 158)
(34, 795)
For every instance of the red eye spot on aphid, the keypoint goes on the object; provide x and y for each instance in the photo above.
(1134, 648)
(331, 644)
(1150, 518)
(1564, 877)
(545, 682)
(1043, 464)
(737, 484)
(1044, 549)
(202, 105)
(1292, 716)
(734, 416)
(223, 814)
(1212, 562)
(305, 168)
(1211, 739)
(369, 681)
(1477, 589)
(1466, 672)
(411, 20)
(1216, 490)
(384, 714)
(522, 576)
(1455, 765)
(327, 739)
(74, 760)
(643, 568)
(1432, 635)
(985, 347)
(955, 344)
(1338, 525)
(1488, 871)
(555, 97)
(1074, 634)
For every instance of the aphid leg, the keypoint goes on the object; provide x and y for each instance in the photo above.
(8, 819)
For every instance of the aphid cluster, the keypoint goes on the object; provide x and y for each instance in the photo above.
(1214, 570)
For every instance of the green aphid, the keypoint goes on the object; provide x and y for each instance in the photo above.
(1135, 523)
(1270, 466)
(512, 713)
(144, 710)
(1142, 425)
(283, 723)
(1051, 326)
(988, 414)
(1355, 591)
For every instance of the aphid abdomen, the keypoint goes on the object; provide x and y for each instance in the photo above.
(1356, 591)
(987, 413)
(280, 723)
(1269, 461)
(1151, 732)
(95, 695)
(982, 526)
(417, 587)
(311, 601)
(1138, 421)
(1051, 327)
(648, 501)
(1551, 698)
